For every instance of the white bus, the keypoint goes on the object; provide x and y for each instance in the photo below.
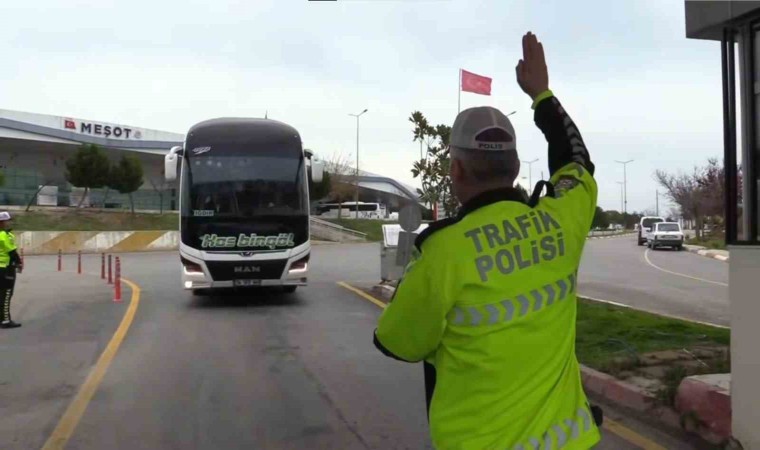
(366, 210)
(244, 204)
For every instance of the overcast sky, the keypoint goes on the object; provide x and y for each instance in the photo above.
(636, 87)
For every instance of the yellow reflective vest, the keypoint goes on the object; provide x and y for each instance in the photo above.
(7, 245)
(490, 302)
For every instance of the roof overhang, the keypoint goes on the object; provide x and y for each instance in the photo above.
(61, 130)
(393, 187)
(706, 19)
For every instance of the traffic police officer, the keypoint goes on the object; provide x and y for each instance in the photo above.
(10, 262)
(489, 303)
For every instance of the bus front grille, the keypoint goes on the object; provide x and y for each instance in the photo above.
(237, 270)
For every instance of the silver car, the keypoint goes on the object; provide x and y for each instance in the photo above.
(665, 234)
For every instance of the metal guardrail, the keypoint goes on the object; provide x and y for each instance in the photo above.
(336, 227)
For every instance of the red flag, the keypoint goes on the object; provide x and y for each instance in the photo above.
(475, 83)
(68, 123)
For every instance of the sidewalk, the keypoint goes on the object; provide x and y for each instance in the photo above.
(720, 255)
(67, 321)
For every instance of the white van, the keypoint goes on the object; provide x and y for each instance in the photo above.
(645, 227)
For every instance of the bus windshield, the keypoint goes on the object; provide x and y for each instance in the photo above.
(243, 186)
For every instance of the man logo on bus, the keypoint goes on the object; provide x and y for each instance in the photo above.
(252, 240)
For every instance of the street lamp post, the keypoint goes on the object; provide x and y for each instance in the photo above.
(621, 195)
(625, 185)
(530, 172)
(356, 195)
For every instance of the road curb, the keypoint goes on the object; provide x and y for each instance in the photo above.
(610, 236)
(704, 251)
(706, 405)
(710, 427)
(384, 291)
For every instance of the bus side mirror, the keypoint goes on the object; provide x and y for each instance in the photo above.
(170, 163)
(317, 171)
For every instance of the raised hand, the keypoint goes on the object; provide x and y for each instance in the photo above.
(532, 74)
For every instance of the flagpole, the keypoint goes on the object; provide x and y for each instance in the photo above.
(459, 93)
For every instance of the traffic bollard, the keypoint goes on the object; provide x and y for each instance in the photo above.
(60, 263)
(110, 272)
(79, 261)
(117, 284)
(102, 266)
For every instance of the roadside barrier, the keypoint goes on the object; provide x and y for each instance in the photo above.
(114, 271)
(117, 284)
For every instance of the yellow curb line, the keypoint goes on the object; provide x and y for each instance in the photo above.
(70, 419)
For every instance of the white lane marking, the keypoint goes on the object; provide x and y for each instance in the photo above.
(637, 308)
(646, 257)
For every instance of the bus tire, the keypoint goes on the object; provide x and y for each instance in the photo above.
(289, 289)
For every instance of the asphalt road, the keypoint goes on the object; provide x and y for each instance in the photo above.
(260, 370)
(681, 283)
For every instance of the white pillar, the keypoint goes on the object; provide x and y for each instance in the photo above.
(744, 267)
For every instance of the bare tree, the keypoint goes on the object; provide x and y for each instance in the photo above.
(160, 188)
(674, 213)
(46, 181)
(343, 179)
(649, 212)
(685, 191)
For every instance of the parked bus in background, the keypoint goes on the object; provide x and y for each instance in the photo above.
(244, 204)
(348, 210)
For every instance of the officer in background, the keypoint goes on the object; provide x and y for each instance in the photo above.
(489, 304)
(10, 263)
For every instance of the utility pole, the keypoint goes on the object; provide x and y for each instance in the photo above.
(621, 196)
(657, 201)
(625, 185)
(530, 171)
(356, 195)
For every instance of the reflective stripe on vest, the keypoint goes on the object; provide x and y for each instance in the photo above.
(571, 431)
(507, 309)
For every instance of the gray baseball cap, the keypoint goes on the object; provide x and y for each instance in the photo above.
(471, 123)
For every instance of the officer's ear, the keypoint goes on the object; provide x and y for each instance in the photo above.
(457, 171)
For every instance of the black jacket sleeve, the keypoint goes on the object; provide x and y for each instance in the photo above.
(379, 345)
(15, 258)
(565, 142)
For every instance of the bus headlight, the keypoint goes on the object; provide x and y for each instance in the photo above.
(300, 266)
(191, 267)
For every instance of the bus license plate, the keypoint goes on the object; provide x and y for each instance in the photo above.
(246, 283)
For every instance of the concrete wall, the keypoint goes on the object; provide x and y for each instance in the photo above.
(324, 231)
(50, 242)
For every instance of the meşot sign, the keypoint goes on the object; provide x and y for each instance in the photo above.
(101, 129)
(243, 241)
